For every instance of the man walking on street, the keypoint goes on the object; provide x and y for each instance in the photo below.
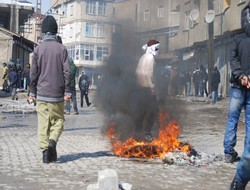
(240, 97)
(84, 83)
(49, 87)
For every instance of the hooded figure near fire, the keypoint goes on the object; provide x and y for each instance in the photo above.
(144, 75)
(127, 92)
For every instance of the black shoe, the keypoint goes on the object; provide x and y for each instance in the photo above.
(89, 104)
(236, 185)
(52, 150)
(230, 158)
(46, 157)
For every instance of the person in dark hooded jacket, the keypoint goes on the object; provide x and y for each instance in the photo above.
(84, 84)
(240, 97)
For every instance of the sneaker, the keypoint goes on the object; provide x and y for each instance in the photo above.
(236, 185)
(67, 113)
(89, 104)
(232, 158)
(76, 113)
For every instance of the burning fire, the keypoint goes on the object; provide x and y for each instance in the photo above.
(167, 141)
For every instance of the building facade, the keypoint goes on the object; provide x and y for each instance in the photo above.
(86, 29)
(14, 46)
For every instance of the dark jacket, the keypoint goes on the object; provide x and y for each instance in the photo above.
(13, 78)
(215, 79)
(240, 55)
(73, 70)
(50, 71)
(26, 74)
(84, 83)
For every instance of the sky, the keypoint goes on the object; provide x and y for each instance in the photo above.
(44, 3)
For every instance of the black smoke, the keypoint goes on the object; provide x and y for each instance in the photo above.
(119, 96)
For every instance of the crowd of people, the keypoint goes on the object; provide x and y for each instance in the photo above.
(15, 77)
(193, 83)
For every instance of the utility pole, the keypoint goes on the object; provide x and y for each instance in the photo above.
(38, 15)
(210, 45)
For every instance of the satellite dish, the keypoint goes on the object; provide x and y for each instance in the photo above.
(209, 16)
(194, 14)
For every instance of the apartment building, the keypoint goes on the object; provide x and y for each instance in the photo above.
(87, 29)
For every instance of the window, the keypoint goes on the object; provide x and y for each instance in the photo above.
(86, 52)
(91, 8)
(90, 29)
(101, 8)
(188, 22)
(146, 15)
(71, 52)
(218, 6)
(102, 52)
(95, 30)
(96, 7)
(160, 11)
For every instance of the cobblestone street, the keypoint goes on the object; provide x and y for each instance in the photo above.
(83, 151)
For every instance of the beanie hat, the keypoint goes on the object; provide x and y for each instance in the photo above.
(49, 25)
(152, 47)
(152, 42)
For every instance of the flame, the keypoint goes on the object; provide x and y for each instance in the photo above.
(167, 141)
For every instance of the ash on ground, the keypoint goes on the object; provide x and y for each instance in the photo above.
(199, 159)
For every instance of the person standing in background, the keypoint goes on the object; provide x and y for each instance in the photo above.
(13, 79)
(26, 78)
(84, 84)
(188, 77)
(49, 87)
(196, 81)
(73, 72)
(215, 80)
(5, 77)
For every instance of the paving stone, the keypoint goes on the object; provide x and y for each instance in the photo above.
(83, 151)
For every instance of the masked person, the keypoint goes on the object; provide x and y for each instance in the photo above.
(49, 87)
(148, 104)
(240, 97)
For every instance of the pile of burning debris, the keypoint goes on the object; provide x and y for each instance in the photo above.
(194, 158)
(166, 146)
